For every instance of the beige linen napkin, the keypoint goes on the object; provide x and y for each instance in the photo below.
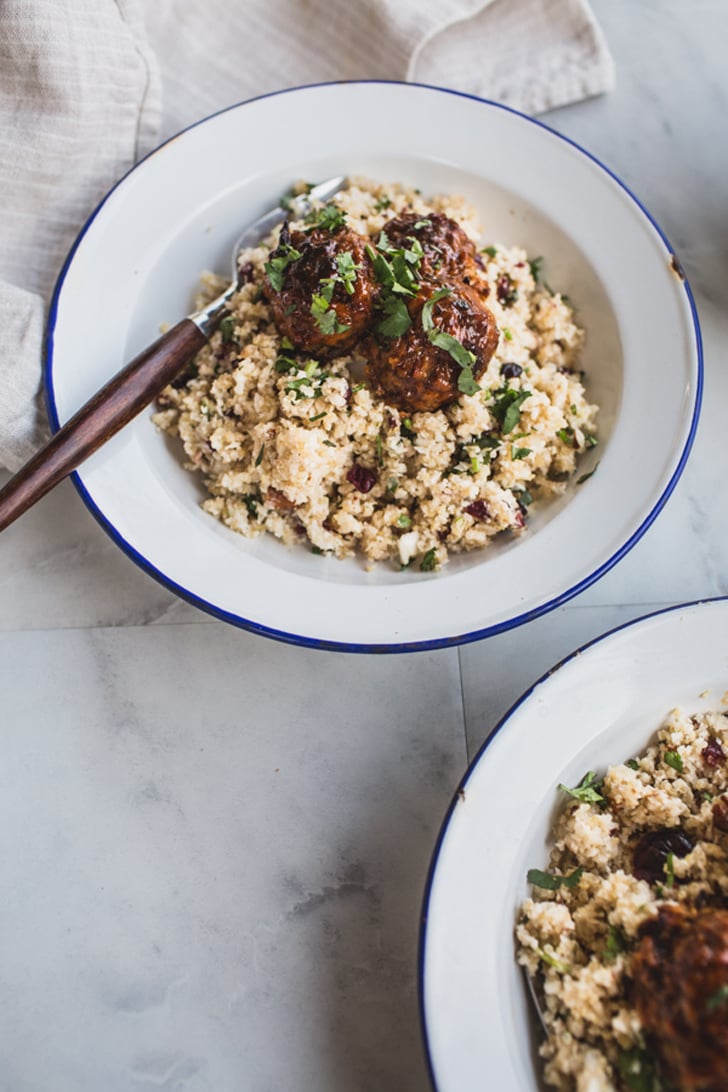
(88, 86)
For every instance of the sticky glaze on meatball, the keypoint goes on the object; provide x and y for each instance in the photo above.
(412, 373)
(448, 253)
(680, 972)
(321, 300)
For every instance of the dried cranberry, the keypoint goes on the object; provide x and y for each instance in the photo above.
(478, 509)
(506, 290)
(246, 273)
(712, 753)
(361, 477)
(720, 813)
(510, 370)
(279, 500)
(651, 852)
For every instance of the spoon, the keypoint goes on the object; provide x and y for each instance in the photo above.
(136, 385)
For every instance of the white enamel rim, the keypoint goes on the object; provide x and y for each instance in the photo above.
(136, 262)
(599, 706)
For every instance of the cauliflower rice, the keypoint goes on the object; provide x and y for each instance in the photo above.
(275, 446)
(576, 940)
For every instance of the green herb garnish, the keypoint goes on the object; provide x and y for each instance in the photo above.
(398, 320)
(329, 217)
(552, 961)
(669, 870)
(251, 503)
(491, 251)
(507, 407)
(638, 1069)
(259, 459)
(632, 763)
(535, 266)
(551, 882)
(404, 520)
(717, 999)
(674, 759)
(277, 266)
(520, 452)
(427, 320)
(325, 316)
(226, 328)
(382, 203)
(616, 943)
(587, 791)
(587, 476)
(429, 561)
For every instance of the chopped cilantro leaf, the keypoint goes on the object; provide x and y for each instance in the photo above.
(535, 266)
(717, 999)
(674, 759)
(616, 943)
(404, 520)
(429, 561)
(427, 321)
(226, 328)
(382, 203)
(587, 476)
(552, 961)
(587, 791)
(520, 452)
(347, 268)
(632, 763)
(259, 459)
(550, 882)
(491, 251)
(329, 217)
(398, 320)
(325, 316)
(279, 263)
(507, 407)
(523, 498)
(451, 345)
(421, 224)
(637, 1068)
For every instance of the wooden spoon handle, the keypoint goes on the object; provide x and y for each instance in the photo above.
(123, 397)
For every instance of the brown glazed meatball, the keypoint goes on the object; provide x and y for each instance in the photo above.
(337, 326)
(680, 972)
(449, 254)
(411, 373)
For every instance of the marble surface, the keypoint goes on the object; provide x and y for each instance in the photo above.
(215, 845)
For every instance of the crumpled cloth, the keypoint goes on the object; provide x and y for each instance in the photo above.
(87, 87)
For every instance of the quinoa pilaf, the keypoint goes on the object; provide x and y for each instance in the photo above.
(301, 446)
(626, 933)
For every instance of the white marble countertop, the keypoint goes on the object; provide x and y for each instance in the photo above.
(214, 845)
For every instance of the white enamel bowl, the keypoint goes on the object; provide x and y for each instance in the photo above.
(600, 706)
(137, 262)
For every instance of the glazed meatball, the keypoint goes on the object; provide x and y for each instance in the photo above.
(410, 371)
(321, 288)
(680, 972)
(448, 253)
